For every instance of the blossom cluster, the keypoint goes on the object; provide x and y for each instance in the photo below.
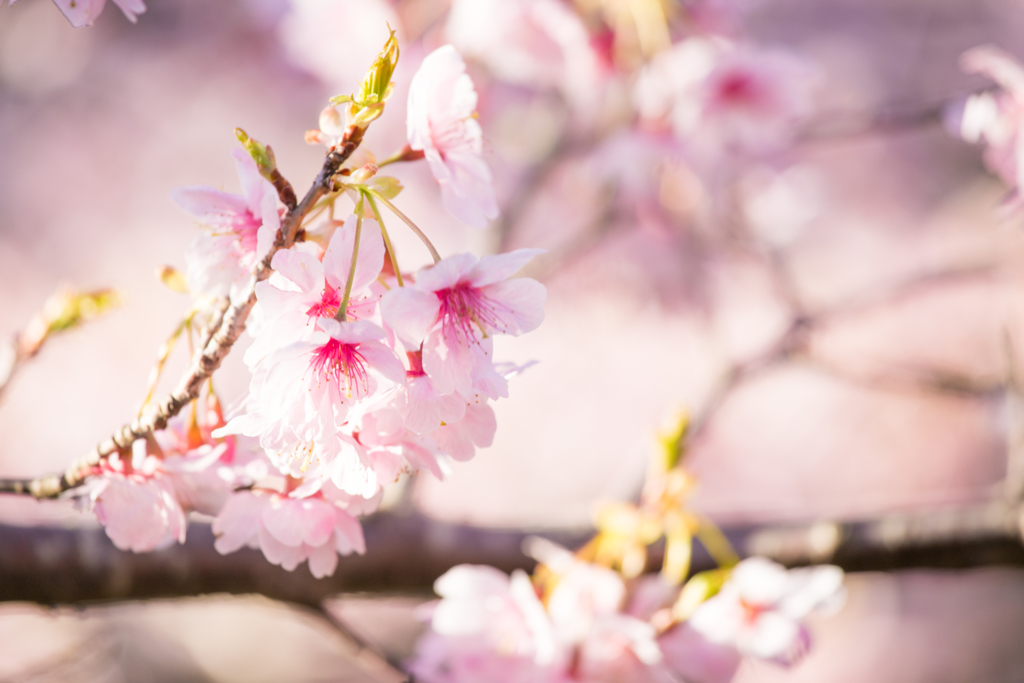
(594, 616)
(360, 372)
(585, 623)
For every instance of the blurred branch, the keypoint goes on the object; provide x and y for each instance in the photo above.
(375, 659)
(407, 553)
(64, 309)
(232, 322)
(794, 343)
(889, 122)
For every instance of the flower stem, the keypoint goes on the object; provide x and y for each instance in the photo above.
(387, 239)
(407, 221)
(404, 154)
(342, 313)
(716, 543)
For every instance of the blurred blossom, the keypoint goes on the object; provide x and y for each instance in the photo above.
(720, 97)
(526, 131)
(780, 205)
(760, 608)
(995, 118)
(335, 39)
(488, 626)
(537, 43)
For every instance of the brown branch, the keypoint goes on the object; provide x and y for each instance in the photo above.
(231, 325)
(407, 553)
(404, 553)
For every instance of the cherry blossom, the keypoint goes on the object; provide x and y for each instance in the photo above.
(441, 123)
(760, 608)
(289, 531)
(84, 12)
(996, 118)
(453, 311)
(239, 230)
(488, 626)
(304, 288)
(722, 97)
(203, 470)
(586, 611)
(136, 505)
(300, 396)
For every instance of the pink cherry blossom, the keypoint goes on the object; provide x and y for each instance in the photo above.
(442, 107)
(289, 531)
(720, 97)
(305, 288)
(300, 398)
(239, 230)
(424, 409)
(760, 608)
(136, 504)
(455, 308)
(388, 442)
(475, 430)
(695, 658)
(487, 627)
(586, 611)
(996, 118)
(84, 12)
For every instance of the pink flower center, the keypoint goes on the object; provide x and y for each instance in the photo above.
(464, 308)
(344, 365)
(739, 90)
(245, 226)
(751, 611)
(328, 306)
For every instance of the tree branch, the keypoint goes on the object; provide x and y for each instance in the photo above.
(406, 553)
(231, 325)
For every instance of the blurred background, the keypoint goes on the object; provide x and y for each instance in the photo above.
(837, 299)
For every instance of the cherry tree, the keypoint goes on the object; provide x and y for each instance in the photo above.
(661, 122)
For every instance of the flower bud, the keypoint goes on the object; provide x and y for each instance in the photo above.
(260, 153)
(173, 279)
(364, 173)
(376, 85)
(64, 309)
(331, 123)
(375, 89)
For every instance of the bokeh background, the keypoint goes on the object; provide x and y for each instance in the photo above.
(658, 289)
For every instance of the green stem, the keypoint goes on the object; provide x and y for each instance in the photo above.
(342, 313)
(387, 239)
(412, 226)
(716, 543)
